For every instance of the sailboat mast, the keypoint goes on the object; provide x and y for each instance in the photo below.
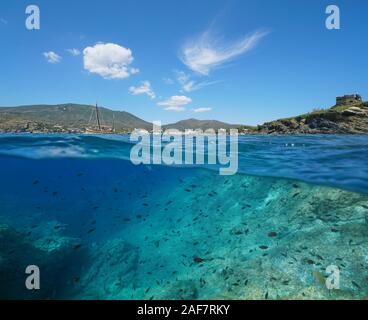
(113, 122)
(98, 118)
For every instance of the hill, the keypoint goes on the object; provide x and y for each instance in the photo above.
(65, 118)
(349, 115)
(199, 124)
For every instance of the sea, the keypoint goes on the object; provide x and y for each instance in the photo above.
(292, 223)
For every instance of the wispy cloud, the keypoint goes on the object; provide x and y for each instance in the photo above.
(109, 60)
(200, 110)
(74, 51)
(188, 84)
(3, 21)
(175, 103)
(144, 88)
(52, 57)
(207, 51)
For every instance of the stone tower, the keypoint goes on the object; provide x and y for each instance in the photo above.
(348, 99)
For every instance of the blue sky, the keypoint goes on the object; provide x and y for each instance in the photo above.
(238, 61)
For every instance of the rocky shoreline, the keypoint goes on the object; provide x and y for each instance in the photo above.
(347, 120)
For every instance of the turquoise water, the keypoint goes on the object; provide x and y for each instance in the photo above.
(99, 227)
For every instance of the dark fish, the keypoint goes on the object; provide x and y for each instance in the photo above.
(36, 182)
(198, 259)
(263, 247)
(272, 234)
(76, 279)
(77, 246)
(91, 230)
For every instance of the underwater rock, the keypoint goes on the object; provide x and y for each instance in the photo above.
(52, 253)
(111, 268)
(181, 290)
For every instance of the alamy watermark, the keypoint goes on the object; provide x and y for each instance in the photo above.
(33, 280)
(333, 20)
(33, 19)
(189, 147)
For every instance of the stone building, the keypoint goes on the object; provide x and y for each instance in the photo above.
(348, 99)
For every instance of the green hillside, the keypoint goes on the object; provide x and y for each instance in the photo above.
(65, 118)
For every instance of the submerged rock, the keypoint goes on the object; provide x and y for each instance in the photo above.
(53, 254)
(111, 268)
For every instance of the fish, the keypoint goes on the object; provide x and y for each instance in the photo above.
(76, 279)
(198, 259)
(355, 284)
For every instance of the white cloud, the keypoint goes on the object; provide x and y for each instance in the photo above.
(74, 52)
(2, 20)
(145, 88)
(206, 52)
(199, 110)
(175, 103)
(189, 85)
(52, 57)
(109, 60)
